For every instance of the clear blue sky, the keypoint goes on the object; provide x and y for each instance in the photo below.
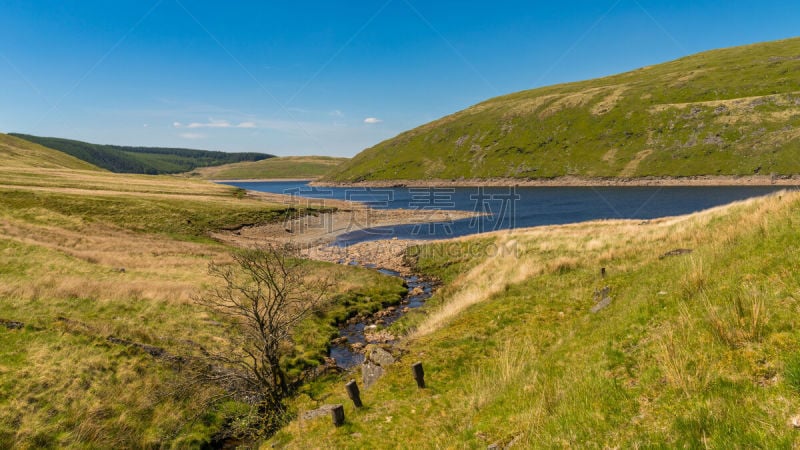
(325, 77)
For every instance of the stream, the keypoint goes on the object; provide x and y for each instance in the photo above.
(354, 333)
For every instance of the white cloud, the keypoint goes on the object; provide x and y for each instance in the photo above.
(372, 120)
(192, 135)
(336, 113)
(215, 124)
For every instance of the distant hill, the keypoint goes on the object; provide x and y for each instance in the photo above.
(280, 167)
(16, 152)
(146, 160)
(733, 111)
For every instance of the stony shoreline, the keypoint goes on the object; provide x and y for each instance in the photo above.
(321, 229)
(380, 254)
(570, 181)
(257, 180)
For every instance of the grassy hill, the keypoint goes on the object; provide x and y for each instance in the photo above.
(304, 167)
(697, 348)
(733, 111)
(97, 277)
(15, 152)
(145, 160)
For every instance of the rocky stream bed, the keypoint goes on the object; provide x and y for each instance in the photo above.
(348, 350)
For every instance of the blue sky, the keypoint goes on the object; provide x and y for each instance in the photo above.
(325, 77)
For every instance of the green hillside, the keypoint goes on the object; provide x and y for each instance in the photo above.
(16, 152)
(146, 160)
(305, 167)
(733, 111)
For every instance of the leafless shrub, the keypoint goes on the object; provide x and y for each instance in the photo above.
(265, 293)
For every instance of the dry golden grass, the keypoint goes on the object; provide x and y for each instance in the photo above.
(680, 79)
(155, 267)
(632, 165)
(739, 320)
(526, 106)
(485, 280)
(737, 109)
(683, 367)
(610, 155)
(87, 181)
(572, 100)
(609, 102)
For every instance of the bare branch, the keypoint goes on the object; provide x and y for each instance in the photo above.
(266, 293)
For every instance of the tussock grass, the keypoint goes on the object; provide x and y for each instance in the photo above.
(739, 318)
(502, 372)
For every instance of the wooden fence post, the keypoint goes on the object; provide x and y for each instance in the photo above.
(419, 374)
(353, 393)
(337, 414)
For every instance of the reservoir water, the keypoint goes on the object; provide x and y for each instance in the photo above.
(513, 207)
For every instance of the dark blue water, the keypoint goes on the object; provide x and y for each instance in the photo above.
(514, 207)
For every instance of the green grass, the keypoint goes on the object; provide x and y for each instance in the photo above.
(146, 160)
(303, 167)
(180, 218)
(734, 111)
(694, 351)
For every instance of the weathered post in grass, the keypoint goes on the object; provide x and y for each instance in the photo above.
(419, 374)
(602, 272)
(337, 414)
(353, 393)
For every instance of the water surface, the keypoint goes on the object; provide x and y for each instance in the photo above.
(514, 207)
